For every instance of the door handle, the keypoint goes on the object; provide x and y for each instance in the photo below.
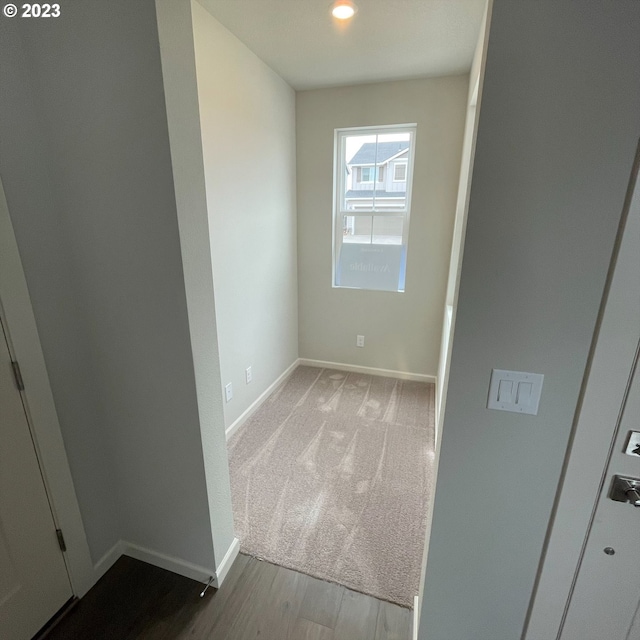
(634, 497)
(624, 489)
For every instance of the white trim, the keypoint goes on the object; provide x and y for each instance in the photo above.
(372, 371)
(255, 405)
(41, 411)
(416, 617)
(109, 559)
(474, 94)
(169, 563)
(227, 562)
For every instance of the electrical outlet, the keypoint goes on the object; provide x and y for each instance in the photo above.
(228, 392)
(359, 341)
(248, 375)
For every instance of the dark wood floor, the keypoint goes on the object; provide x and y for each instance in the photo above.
(135, 600)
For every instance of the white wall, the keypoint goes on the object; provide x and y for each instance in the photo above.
(457, 247)
(247, 117)
(559, 124)
(100, 246)
(402, 330)
(55, 286)
(175, 31)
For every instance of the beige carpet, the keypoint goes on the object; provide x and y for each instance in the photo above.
(331, 477)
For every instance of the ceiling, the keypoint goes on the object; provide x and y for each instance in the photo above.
(386, 40)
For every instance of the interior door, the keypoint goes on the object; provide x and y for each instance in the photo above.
(606, 594)
(34, 583)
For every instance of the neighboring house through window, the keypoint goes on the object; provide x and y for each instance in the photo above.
(371, 206)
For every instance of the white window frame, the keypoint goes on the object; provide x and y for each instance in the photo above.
(396, 165)
(339, 184)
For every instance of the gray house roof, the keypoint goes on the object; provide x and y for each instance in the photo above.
(366, 154)
(369, 194)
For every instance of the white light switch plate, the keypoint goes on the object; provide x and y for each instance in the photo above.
(515, 391)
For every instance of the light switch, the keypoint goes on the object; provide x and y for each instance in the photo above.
(523, 397)
(515, 391)
(505, 391)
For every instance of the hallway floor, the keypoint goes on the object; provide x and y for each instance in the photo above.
(331, 477)
(137, 601)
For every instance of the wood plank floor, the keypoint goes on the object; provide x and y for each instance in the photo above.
(258, 600)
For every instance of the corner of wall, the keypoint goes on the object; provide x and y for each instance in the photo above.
(175, 28)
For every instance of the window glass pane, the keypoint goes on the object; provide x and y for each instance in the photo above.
(387, 230)
(371, 179)
(371, 207)
(359, 165)
(357, 229)
(391, 193)
(377, 267)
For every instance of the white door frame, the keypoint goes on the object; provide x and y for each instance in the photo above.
(24, 346)
(603, 393)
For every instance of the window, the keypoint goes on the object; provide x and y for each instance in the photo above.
(372, 201)
(367, 174)
(400, 172)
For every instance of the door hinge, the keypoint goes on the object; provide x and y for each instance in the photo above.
(61, 542)
(17, 374)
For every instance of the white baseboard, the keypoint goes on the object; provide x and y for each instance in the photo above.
(108, 560)
(372, 371)
(227, 562)
(256, 404)
(416, 617)
(170, 563)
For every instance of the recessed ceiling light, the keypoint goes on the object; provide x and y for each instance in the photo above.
(343, 10)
